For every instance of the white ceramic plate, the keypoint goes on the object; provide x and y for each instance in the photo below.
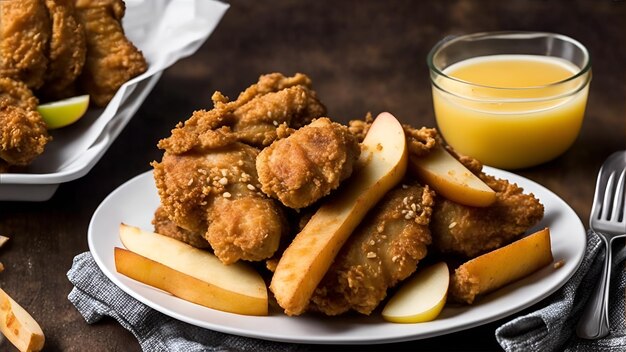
(135, 201)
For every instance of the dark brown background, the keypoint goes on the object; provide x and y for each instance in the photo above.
(362, 56)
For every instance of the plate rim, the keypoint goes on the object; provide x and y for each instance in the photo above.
(118, 280)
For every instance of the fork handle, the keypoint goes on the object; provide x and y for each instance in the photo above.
(594, 323)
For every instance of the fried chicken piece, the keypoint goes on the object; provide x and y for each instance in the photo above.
(244, 227)
(384, 250)
(24, 38)
(309, 164)
(23, 134)
(216, 193)
(67, 50)
(256, 121)
(164, 226)
(469, 231)
(255, 118)
(111, 58)
(17, 93)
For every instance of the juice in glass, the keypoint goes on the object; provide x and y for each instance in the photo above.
(510, 110)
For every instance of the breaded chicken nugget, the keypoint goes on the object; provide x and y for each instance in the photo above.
(309, 164)
(17, 93)
(23, 134)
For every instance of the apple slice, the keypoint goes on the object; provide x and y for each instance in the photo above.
(235, 288)
(421, 298)
(184, 286)
(448, 177)
(64, 112)
(381, 165)
(18, 326)
(502, 266)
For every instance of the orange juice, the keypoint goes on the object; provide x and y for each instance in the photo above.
(510, 111)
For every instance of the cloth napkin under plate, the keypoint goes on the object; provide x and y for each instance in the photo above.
(552, 327)
(95, 297)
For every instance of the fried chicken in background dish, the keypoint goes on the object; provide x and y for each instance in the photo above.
(306, 166)
(164, 226)
(384, 250)
(18, 94)
(468, 231)
(67, 50)
(24, 39)
(216, 193)
(111, 58)
(256, 117)
(23, 134)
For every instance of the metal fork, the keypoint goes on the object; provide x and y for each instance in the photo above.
(608, 221)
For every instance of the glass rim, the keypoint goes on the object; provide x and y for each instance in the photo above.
(450, 40)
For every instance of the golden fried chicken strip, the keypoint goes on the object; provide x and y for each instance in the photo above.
(164, 226)
(67, 50)
(384, 250)
(23, 134)
(24, 39)
(253, 118)
(468, 231)
(111, 58)
(244, 227)
(217, 194)
(309, 164)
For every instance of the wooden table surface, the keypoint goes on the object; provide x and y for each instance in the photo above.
(362, 56)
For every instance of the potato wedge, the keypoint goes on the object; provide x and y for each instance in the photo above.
(18, 326)
(448, 177)
(381, 166)
(235, 288)
(502, 266)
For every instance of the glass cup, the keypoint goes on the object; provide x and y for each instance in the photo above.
(510, 99)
